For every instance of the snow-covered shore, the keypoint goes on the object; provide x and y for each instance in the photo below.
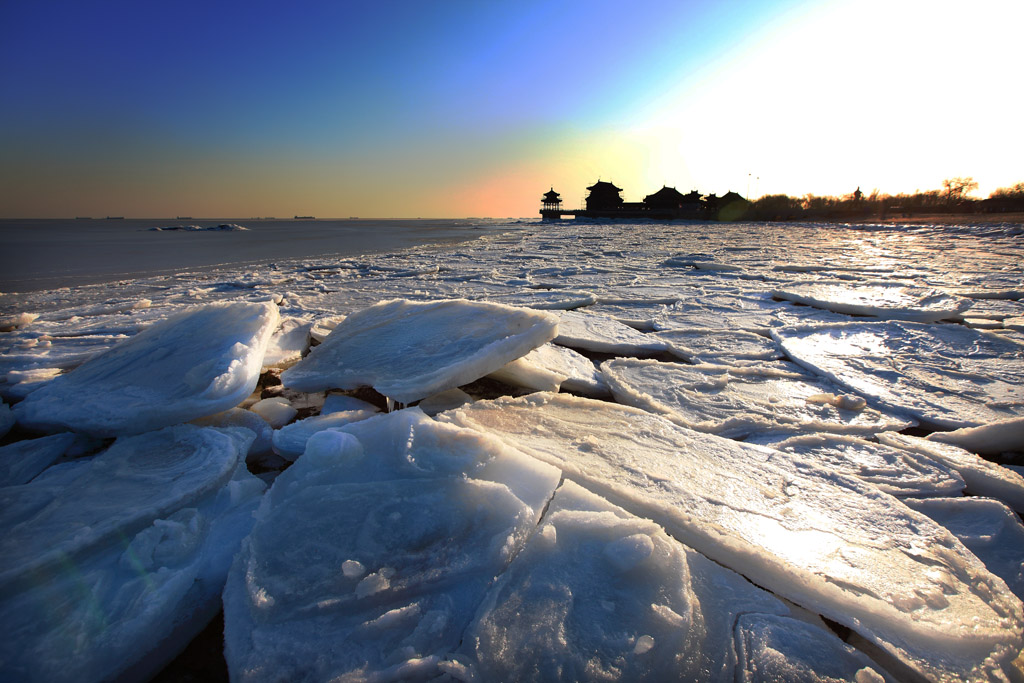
(563, 452)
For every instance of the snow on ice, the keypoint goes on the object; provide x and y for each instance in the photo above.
(548, 536)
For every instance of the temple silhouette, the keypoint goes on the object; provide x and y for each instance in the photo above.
(605, 201)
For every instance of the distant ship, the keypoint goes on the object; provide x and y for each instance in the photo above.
(184, 218)
(305, 218)
(115, 218)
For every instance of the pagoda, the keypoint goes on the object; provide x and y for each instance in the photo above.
(551, 201)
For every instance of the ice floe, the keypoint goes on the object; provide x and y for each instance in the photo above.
(551, 367)
(990, 439)
(288, 343)
(945, 376)
(599, 594)
(195, 363)
(372, 552)
(602, 334)
(114, 565)
(829, 542)
(736, 401)
(22, 460)
(988, 528)
(409, 350)
(896, 471)
(698, 345)
(888, 301)
(276, 410)
(982, 477)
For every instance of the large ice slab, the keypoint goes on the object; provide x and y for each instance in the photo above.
(549, 368)
(983, 478)
(737, 401)
(408, 350)
(946, 376)
(127, 554)
(137, 479)
(988, 528)
(991, 439)
(599, 594)
(372, 552)
(889, 301)
(894, 470)
(193, 364)
(703, 345)
(22, 460)
(826, 541)
(600, 333)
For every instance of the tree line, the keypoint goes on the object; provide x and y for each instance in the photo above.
(953, 198)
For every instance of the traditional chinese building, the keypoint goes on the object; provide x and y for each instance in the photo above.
(605, 201)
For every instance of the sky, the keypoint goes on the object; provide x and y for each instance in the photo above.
(455, 109)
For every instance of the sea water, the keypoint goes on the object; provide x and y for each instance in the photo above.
(52, 253)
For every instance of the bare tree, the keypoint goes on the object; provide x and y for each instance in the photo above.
(957, 189)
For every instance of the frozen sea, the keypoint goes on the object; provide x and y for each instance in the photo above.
(512, 450)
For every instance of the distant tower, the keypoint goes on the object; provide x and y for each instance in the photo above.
(552, 205)
(604, 196)
(552, 202)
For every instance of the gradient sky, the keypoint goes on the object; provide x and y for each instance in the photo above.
(450, 109)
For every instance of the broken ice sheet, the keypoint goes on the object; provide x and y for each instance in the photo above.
(550, 367)
(747, 311)
(945, 376)
(893, 470)
(289, 341)
(193, 364)
(593, 332)
(826, 541)
(735, 401)
(994, 438)
(114, 564)
(889, 301)
(372, 552)
(774, 648)
(983, 478)
(22, 460)
(599, 594)
(704, 345)
(557, 299)
(988, 528)
(409, 350)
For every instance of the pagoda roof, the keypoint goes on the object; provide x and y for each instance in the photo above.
(551, 195)
(602, 185)
(665, 194)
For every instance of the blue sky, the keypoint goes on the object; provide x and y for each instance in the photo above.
(472, 108)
